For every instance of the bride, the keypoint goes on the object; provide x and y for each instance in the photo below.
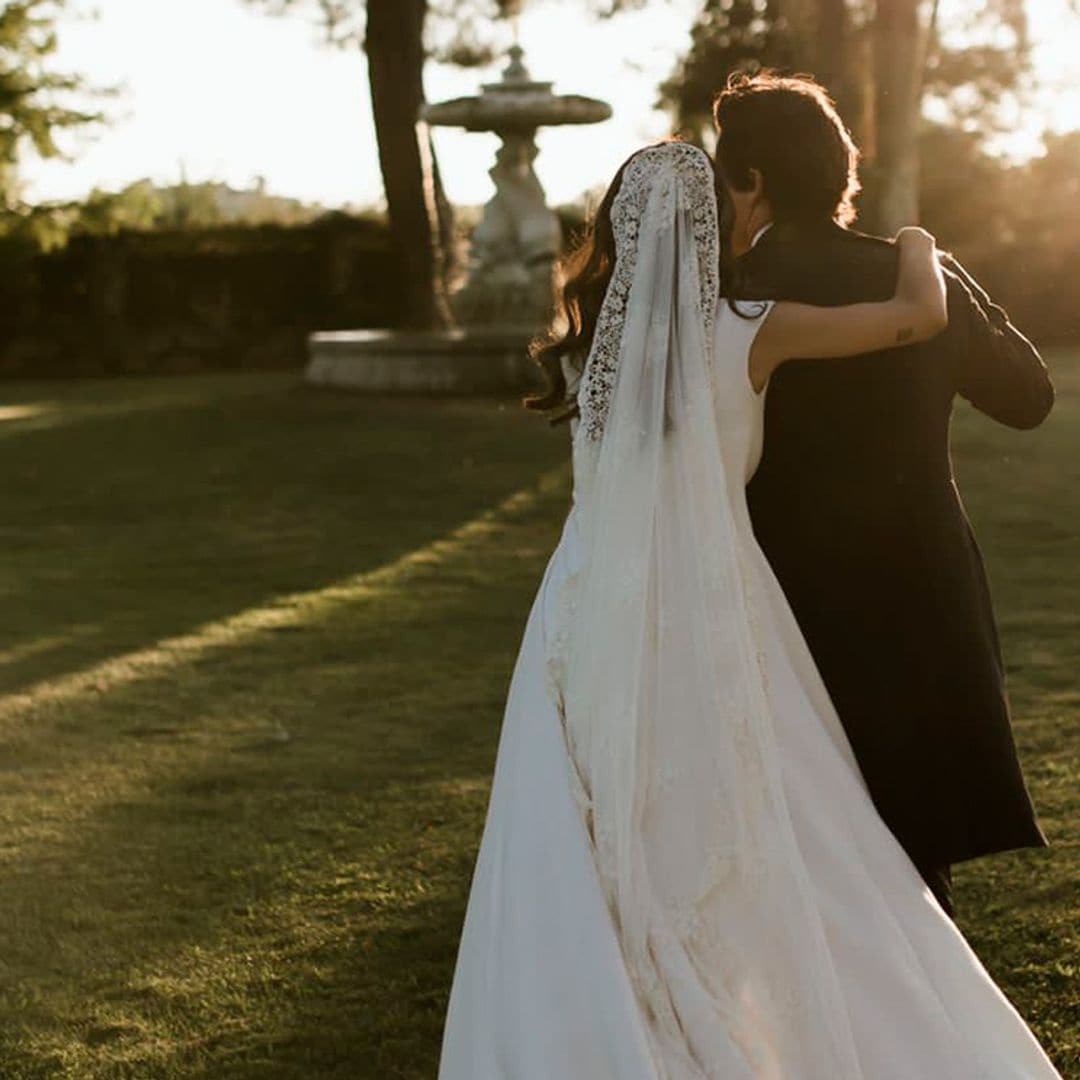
(682, 875)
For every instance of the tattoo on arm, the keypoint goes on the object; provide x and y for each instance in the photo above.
(904, 334)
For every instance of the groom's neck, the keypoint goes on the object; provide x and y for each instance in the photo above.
(803, 227)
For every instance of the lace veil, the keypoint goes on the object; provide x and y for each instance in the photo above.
(664, 698)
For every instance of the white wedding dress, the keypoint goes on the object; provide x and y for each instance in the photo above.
(682, 875)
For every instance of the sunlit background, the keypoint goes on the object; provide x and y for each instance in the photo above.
(216, 90)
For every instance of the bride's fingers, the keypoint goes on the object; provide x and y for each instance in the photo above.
(914, 235)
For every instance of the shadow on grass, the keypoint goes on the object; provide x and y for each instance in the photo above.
(142, 519)
(202, 897)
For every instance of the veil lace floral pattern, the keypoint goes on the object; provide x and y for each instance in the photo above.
(685, 165)
(669, 163)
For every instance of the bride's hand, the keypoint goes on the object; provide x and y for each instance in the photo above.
(921, 283)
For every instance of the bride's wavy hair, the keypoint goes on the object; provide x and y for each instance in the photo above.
(583, 275)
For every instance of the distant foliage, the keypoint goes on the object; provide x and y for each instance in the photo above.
(727, 36)
(980, 63)
(978, 59)
(193, 299)
(147, 206)
(1015, 227)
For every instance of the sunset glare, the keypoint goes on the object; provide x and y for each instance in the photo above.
(217, 90)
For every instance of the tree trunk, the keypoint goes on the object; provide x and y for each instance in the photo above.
(837, 61)
(898, 55)
(441, 217)
(829, 46)
(395, 55)
(802, 20)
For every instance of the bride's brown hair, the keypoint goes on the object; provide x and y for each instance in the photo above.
(584, 274)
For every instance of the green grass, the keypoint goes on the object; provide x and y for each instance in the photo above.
(252, 664)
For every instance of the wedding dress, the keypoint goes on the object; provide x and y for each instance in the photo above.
(682, 875)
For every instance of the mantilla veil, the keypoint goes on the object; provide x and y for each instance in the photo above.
(665, 704)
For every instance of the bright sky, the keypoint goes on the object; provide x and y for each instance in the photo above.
(224, 92)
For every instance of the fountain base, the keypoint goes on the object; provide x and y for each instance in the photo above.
(403, 362)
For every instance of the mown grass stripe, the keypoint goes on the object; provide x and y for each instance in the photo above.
(292, 610)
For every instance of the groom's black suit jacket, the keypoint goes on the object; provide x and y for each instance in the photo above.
(855, 506)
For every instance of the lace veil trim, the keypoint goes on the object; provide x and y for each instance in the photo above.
(663, 166)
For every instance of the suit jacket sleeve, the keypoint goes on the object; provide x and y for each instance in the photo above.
(997, 369)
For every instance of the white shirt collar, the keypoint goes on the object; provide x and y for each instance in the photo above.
(760, 233)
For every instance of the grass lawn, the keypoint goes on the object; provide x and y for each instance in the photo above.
(255, 644)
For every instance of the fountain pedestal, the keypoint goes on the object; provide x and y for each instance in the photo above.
(506, 298)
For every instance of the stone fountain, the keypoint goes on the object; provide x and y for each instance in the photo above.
(506, 296)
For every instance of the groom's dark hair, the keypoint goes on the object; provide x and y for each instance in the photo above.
(787, 128)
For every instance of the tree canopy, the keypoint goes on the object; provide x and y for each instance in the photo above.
(972, 58)
(882, 60)
(35, 101)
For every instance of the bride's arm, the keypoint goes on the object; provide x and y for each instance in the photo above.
(916, 312)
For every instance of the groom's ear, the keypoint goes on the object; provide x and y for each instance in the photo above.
(757, 182)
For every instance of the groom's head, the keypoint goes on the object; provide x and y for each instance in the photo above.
(783, 154)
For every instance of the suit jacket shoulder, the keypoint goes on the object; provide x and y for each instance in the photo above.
(826, 265)
(983, 357)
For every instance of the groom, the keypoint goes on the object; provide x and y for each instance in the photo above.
(854, 502)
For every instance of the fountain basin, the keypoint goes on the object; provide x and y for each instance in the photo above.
(516, 109)
(473, 361)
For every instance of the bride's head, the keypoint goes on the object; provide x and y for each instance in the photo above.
(582, 279)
